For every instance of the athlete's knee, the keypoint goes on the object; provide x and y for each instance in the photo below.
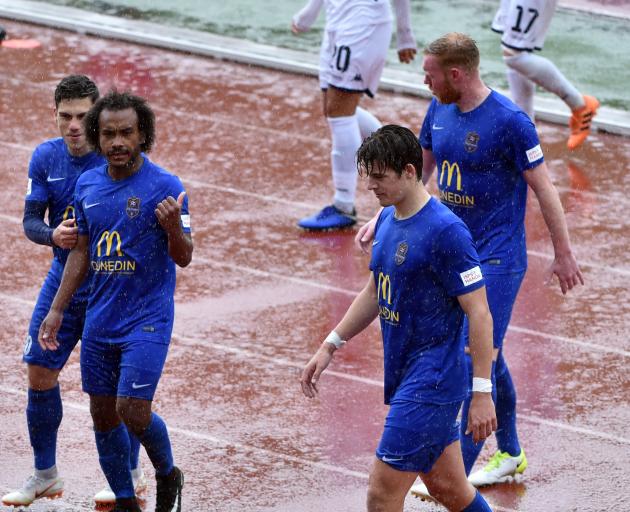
(41, 378)
(135, 413)
(377, 496)
(103, 412)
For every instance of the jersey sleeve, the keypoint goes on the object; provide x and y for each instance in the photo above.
(425, 138)
(525, 145)
(455, 260)
(37, 188)
(79, 214)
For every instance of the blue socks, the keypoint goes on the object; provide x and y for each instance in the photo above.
(158, 446)
(478, 505)
(507, 437)
(43, 416)
(134, 450)
(113, 454)
(470, 450)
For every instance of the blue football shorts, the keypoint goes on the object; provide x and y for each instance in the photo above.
(416, 434)
(127, 369)
(501, 290)
(69, 332)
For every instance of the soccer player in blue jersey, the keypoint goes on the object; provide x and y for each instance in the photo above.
(425, 276)
(487, 154)
(131, 234)
(53, 172)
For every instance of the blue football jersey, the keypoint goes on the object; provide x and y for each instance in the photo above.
(481, 156)
(52, 175)
(420, 266)
(133, 276)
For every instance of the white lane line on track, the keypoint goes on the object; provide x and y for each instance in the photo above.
(201, 436)
(352, 293)
(249, 355)
(308, 206)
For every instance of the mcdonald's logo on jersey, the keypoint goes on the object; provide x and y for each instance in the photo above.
(110, 244)
(450, 173)
(107, 238)
(68, 213)
(385, 293)
(449, 170)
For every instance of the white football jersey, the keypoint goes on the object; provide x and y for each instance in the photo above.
(524, 23)
(348, 14)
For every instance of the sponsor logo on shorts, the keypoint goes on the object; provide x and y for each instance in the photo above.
(186, 221)
(28, 345)
(138, 386)
(534, 154)
(29, 187)
(471, 276)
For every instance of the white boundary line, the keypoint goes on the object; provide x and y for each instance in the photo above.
(252, 355)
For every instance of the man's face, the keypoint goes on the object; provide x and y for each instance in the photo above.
(388, 187)
(438, 81)
(119, 137)
(69, 116)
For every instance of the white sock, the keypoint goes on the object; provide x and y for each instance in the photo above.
(368, 123)
(522, 91)
(346, 139)
(543, 72)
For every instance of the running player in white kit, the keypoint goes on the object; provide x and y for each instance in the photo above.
(524, 25)
(352, 56)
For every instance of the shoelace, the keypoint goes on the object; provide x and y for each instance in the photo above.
(494, 462)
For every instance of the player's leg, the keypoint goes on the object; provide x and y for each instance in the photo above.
(141, 369)
(44, 410)
(526, 27)
(509, 459)
(100, 372)
(522, 91)
(354, 64)
(447, 482)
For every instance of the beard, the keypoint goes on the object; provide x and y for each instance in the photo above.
(449, 94)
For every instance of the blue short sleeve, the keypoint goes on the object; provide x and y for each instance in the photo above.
(455, 261)
(37, 189)
(526, 150)
(425, 138)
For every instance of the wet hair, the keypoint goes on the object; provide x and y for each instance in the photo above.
(116, 101)
(389, 147)
(455, 49)
(75, 87)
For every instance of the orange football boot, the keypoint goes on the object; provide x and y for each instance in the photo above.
(580, 122)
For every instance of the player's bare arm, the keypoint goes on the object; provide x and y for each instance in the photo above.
(482, 419)
(74, 274)
(564, 265)
(180, 245)
(406, 42)
(360, 314)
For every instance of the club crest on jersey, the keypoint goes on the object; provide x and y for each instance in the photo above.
(471, 142)
(133, 207)
(401, 253)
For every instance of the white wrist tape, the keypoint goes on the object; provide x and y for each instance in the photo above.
(334, 339)
(481, 385)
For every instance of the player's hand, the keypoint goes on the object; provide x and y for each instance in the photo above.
(482, 419)
(295, 29)
(363, 239)
(168, 212)
(47, 336)
(314, 368)
(567, 270)
(406, 55)
(65, 234)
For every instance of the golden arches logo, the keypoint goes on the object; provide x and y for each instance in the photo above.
(68, 212)
(450, 169)
(384, 287)
(108, 238)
